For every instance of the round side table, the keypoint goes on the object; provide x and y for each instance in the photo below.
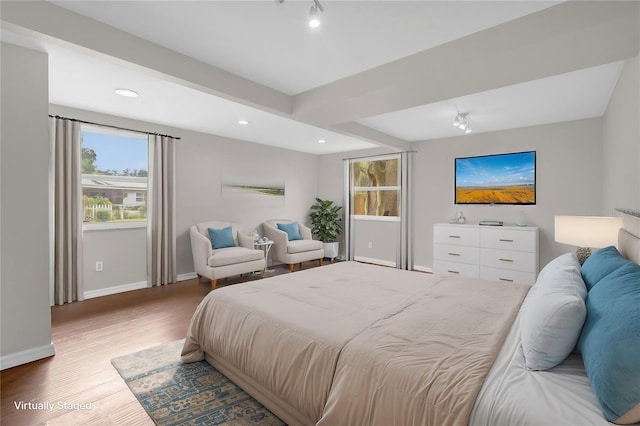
(265, 246)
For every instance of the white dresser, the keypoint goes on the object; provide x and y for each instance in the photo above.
(496, 253)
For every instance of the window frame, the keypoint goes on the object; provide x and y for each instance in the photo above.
(395, 188)
(130, 224)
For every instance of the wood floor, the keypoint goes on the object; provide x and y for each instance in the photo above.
(86, 336)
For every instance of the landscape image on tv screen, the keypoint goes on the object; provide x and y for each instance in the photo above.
(496, 179)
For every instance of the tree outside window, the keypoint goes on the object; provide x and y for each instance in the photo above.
(376, 189)
(114, 170)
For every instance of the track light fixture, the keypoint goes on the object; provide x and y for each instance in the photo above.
(314, 14)
(462, 122)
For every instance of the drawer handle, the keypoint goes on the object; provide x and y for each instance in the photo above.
(506, 279)
(505, 240)
(454, 236)
(453, 272)
(506, 260)
(453, 254)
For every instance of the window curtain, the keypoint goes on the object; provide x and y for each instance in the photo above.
(406, 220)
(161, 238)
(68, 214)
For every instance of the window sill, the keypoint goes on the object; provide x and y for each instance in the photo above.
(376, 218)
(113, 226)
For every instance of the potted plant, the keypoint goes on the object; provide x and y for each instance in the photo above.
(326, 226)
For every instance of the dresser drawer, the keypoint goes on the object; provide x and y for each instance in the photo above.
(506, 259)
(506, 239)
(453, 253)
(500, 274)
(458, 269)
(458, 235)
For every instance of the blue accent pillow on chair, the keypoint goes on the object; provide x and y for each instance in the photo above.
(221, 238)
(610, 343)
(292, 230)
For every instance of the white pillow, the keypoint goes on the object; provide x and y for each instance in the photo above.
(553, 313)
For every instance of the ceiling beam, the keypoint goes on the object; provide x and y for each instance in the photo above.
(362, 132)
(556, 40)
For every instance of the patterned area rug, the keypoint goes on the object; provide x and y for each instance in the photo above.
(174, 393)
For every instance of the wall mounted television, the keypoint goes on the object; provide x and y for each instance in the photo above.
(496, 179)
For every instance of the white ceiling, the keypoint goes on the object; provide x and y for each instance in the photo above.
(86, 82)
(270, 44)
(570, 96)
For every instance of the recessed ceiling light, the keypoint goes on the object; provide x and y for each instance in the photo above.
(321, 141)
(127, 92)
(243, 122)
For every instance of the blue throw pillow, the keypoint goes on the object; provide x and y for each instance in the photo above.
(600, 264)
(610, 342)
(292, 230)
(221, 238)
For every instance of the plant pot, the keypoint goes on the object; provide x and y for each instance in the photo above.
(331, 249)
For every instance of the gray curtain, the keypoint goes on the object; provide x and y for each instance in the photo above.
(161, 238)
(406, 220)
(68, 212)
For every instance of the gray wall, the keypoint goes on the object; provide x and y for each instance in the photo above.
(585, 167)
(202, 162)
(568, 180)
(25, 317)
(376, 241)
(123, 254)
(569, 166)
(621, 148)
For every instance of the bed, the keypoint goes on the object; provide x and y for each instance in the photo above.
(351, 343)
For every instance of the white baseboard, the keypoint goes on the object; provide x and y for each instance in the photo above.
(187, 276)
(113, 290)
(29, 355)
(133, 286)
(423, 269)
(374, 261)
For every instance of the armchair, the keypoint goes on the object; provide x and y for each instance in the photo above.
(294, 251)
(216, 263)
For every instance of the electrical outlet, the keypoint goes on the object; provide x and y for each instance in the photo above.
(370, 244)
(99, 266)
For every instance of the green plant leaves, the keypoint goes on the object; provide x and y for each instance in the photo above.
(325, 220)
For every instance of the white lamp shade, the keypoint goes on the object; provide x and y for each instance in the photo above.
(587, 231)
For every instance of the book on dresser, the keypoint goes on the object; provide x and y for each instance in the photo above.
(505, 253)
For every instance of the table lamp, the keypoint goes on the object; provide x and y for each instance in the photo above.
(587, 232)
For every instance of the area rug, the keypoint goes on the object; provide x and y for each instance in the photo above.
(174, 393)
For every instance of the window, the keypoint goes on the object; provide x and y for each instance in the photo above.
(114, 167)
(376, 189)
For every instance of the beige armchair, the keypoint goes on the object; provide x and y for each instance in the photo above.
(295, 251)
(219, 263)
